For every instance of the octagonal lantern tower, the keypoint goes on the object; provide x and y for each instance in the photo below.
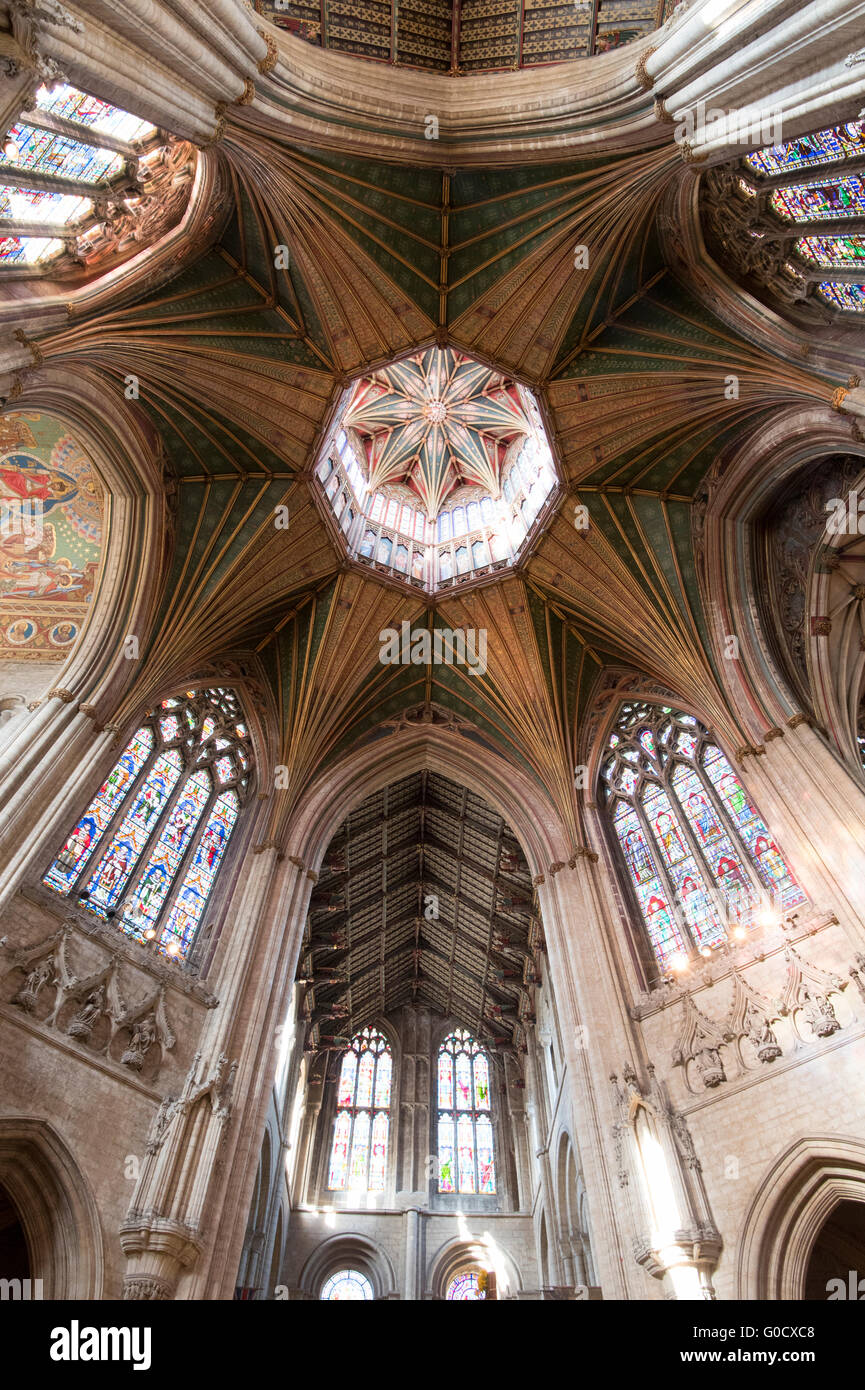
(437, 470)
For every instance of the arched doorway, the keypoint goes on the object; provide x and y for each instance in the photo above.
(14, 1250)
(837, 1260)
(805, 1220)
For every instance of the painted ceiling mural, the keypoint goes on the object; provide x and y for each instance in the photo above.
(434, 421)
(50, 538)
(395, 274)
(463, 36)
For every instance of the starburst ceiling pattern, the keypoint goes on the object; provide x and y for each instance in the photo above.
(435, 421)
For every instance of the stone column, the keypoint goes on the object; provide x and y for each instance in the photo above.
(816, 810)
(199, 1171)
(253, 978)
(540, 1146)
(750, 58)
(47, 772)
(597, 1037)
(411, 1284)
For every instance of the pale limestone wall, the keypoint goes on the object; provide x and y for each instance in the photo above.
(309, 1231)
(101, 1109)
(742, 1126)
(28, 679)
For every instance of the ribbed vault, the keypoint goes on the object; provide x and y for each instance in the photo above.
(424, 897)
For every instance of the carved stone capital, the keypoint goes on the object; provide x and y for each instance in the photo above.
(269, 61)
(643, 79)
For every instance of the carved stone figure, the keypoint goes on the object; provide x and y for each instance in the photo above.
(85, 1020)
(761, 1034)
(41, 974)
(709, 1064)
(820, 1014)
(143, 1038)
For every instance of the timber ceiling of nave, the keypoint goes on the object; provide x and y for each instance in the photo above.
(424, 897)
(239, 362)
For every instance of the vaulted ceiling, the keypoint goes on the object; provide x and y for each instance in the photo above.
(424, 897)
(461, 36)
(242, 357)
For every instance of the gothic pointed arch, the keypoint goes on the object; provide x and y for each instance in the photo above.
(799, 1190)
(147, 849)
(56, 1208)
(698, 862)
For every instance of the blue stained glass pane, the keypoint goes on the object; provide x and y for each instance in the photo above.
(92, 825)
(47, 153)
(821, 147)
(125, 850)
(188, 906)
(144, 904)
(821, 200)
(850, 298)
(691, 887)
(663, 931)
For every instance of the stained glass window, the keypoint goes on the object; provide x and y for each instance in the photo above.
(72, 105)
(834, 252)
(37, 205)
(45, 152)
(147, 850)
(28, 250)
(821, 200)
(465, 1131)
(850, 297)
(348, 1284)
(32, 147)
(821, 147)
(358, 1155)
(464, 1286)
(699, 858)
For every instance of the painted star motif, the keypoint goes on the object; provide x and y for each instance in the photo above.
(433, 422)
